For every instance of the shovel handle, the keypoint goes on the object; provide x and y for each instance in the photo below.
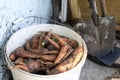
(94, 12)
(55, 9)
(103, 8)
(75, 10)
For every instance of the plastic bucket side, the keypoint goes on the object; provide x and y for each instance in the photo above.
(20, 37)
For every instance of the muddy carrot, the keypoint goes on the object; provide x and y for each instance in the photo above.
(27, 45)
(53, 43)
(70, 62)
(53, 52)
(19, 61)
(28, 48)
(62, 53)
(34, 66)
(41, 44)
(64, 39)
(38, 51)
(60, 41)
(49, 33)
(49, 64)
(23, 67)
(73, 43)
(67, 54)
(12, 56)
(20, 52)
(34, 42)
(48, 57)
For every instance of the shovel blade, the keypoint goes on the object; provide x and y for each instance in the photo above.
(100, 39)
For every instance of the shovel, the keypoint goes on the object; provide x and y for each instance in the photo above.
(56, 4)
(105, 30)
(107, 52)
(98, 33)
(86, 29)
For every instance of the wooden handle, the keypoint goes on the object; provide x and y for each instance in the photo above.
(55, 9)
(64, 5)
(94, 12)
(75, 9)
(103, 8)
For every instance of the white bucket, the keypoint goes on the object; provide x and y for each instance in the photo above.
(19, 39)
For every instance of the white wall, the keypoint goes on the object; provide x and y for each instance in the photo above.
(13, 9)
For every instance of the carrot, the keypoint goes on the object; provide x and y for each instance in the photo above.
(70, 62)
(38, 51)
(19, 61)
(34, 42)
(51, 47)
(23, 67)
(62, 53)
(64, 39)
(52, 42)
(49, 33)
(48, 57)
(28, 48)
(34, 66)
(73, 43)
(41, 43)
(20, 52)
(67, 54)
(49, 64)
(60, 41)
(53, 52)
(12, 56)
(27, 45)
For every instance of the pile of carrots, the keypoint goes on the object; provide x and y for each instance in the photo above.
(47, 53)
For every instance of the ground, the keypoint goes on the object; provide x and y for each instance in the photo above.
(93, 71)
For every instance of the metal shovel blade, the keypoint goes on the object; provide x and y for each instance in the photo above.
(100, 40)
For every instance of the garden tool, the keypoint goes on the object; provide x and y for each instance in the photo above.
(59, 10)
(105, 30)
(85, 28)
(114, 54)
(63, 15)
(98, 33)
(56, 4)
(107, 38)
(75, 11)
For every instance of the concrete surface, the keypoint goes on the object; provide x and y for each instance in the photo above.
(93, 71)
